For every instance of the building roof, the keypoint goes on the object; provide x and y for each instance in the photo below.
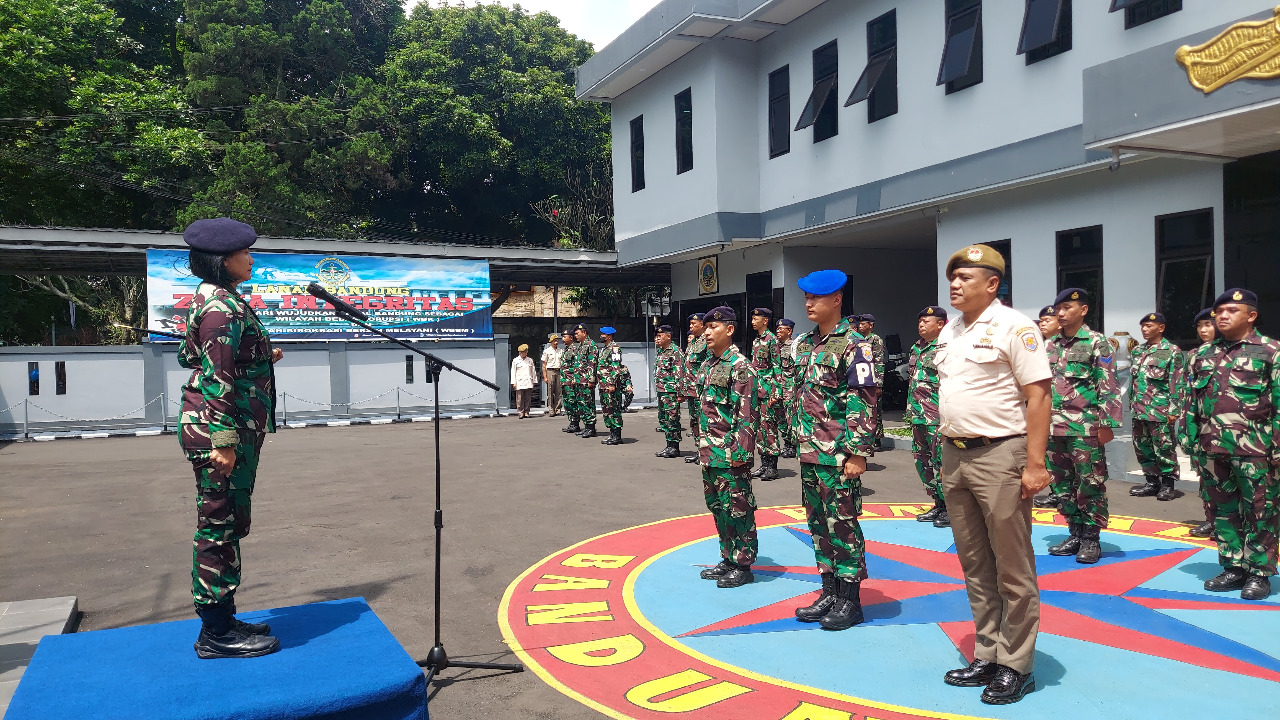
(672, 29)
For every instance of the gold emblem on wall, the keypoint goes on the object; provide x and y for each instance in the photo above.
(708, 276)
(1244, 50)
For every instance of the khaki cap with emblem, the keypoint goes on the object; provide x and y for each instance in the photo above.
(983, 256)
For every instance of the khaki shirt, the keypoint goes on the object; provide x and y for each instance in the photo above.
(551, 358)
(982, 369)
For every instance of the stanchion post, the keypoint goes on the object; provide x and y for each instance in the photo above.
(284, 408)
(164, 411)
(26, 420)
(398, 402)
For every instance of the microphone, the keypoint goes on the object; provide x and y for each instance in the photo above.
(338, 305)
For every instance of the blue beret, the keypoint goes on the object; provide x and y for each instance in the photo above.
(934, 311)
(867, 318)
(762, 312)
(664, 329)
(695, 316)
(823, 282)
(1048, 310)
(220, 236)
(1205, 314)
(1071, 295)
(786, 322)
(608, 330)
(1153, 317)
(1236, 295)
(721, 314)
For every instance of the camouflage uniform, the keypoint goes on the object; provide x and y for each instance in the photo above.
(1085, 397)
(609, 372)
(728, 418)
(569, 364)
(835, 389)
(624, 384)
(696, 354)
(765, 361)
(229, 402)
(588, 361)
(669, 377)
(877, 357)
(1199, 460)
(1233, 418)
(1157, 390)
(923, 416)
(787, 379)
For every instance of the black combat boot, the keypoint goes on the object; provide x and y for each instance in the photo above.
(1167, 492)
(589, 431)
(692, 458)
(1232, 578)
(737, 576)
(1090, 549)
(220, 639)
(251, 628)
(822, 605)
(671, 451)
(1203, 530)
(943, 520)
(846, 611)
(573, 427)
(755, 474)
(717, 572)
(788, 451)
(1048, 501)
(932, 514)
(615, 437)
(1149, 489)
(1257, 587)
(1071, 545)
(768, 467)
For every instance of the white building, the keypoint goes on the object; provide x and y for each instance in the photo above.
(719, 154)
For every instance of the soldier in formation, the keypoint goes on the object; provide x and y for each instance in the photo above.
(867, 328)
(787, 375)
(580, 366)
(612, 389)
(1156, 388)
(765, 361)
(726, 449)
(922, 413)
(570, 362)
(835, 433)
(696, 354)
(1086, 409)
(1049, 326)
(669, 380)
(1233, 418)
(1207, 331)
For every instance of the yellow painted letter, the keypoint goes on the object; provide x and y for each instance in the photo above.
(564, 582)
(621, 649)
(566, 612)
(642, 695)
(816, 712)
(608, 562)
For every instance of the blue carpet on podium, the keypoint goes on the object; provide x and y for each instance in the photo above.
(337, 661)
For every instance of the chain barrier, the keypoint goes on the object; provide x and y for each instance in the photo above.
(446, 402)
(13, 406)
(125, 416)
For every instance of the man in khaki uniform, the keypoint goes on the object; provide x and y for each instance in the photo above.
(994, 401)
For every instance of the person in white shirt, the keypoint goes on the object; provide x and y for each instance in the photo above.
(551, 374)
(523, 376)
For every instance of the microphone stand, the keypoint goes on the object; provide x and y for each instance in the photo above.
(437, 659)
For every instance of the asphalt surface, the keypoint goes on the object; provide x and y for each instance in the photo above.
(347, 511)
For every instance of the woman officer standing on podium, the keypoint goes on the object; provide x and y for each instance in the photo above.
(228, 406)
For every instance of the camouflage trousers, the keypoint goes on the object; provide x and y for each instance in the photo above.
(1245, 495)
(833, 503)
(695, 430)
(733, 507)
(788, 431)
(669, 416)
(1154, 445)
(879, 411)
(769, 439)
(926, 446)
(1078, 466)
(1200, 462)
(580, 403)
(223, 513)
(610, 407)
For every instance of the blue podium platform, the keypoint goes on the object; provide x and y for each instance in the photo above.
(337, 661)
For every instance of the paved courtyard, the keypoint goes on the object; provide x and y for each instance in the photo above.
(346, 511)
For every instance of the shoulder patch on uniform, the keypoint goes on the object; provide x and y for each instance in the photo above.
(866, 352)
(1029, 338)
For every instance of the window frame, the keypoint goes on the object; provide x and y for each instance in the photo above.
(684, 132)
(955, 9)
(1131, 8)
(1062, 34)
(1184, 336)
(779, 127)
(825, 112)
(878, 83)
(1097, 303)
(637, 154)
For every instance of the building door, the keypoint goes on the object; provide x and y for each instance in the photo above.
(1251, 232)
(1184, 272)
(1080, 265)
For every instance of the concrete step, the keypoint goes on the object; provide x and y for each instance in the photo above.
(22, 624)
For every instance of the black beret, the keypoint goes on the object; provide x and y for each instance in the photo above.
(855, 319)
(867, 318)
(721, 314)
(933, 311)
(581, 327)
(695, 316)
(1205, 314)
(1154, 317)
(762, 312)
(567, 331)
(1071, 295)
(220, 236)
(664, 329)
(1048, 310)
(1236, 295)
(786, 322)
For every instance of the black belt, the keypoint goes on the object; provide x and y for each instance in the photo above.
(969, 443)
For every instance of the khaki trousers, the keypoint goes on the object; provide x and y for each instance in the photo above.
(992, 526)
(554, 401)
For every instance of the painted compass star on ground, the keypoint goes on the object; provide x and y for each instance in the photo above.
(1103, 604)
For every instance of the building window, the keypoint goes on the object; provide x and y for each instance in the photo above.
(684, 131)
(408, 369)
(1005, 292)
(962, 54)
(1046, 29)
(33, 378)
(1080, 265)
(60, 377)
(637, 154)
(1141, 12)
(1184, 271)
(821, 111)
(879, 81)
(780, 111)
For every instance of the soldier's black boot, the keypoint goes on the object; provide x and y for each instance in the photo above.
(1167, 492)
(943, 520)
(251, 628)
(615, 437)
(717, 572)
(694, 457)
(788, 451)
(1090, 548)
(932, 514)
(219, 639)
(1232, 578)
(1203, 530)
(1151, 487)
(769, 467)
(846, 611)
(589, 431)
(1257, 587)
(1071, 545)
(671, 451)
(755, 474)
(822, 605)
(1048, 501)
(737, 576)
(573, 427)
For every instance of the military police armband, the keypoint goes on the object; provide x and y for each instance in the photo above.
(862, 373)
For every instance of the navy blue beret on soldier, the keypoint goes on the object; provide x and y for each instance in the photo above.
(695, 316)
(219, 236)
(581, 327)
(721, 314)
(1153, 317)
(762, 312)
(867, 318)
(786, 322)
(823, 282)
(664, 329)
(1048, 311)
(934, 311)
(1237, 295)
(1072, 295)
(1205, 314)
